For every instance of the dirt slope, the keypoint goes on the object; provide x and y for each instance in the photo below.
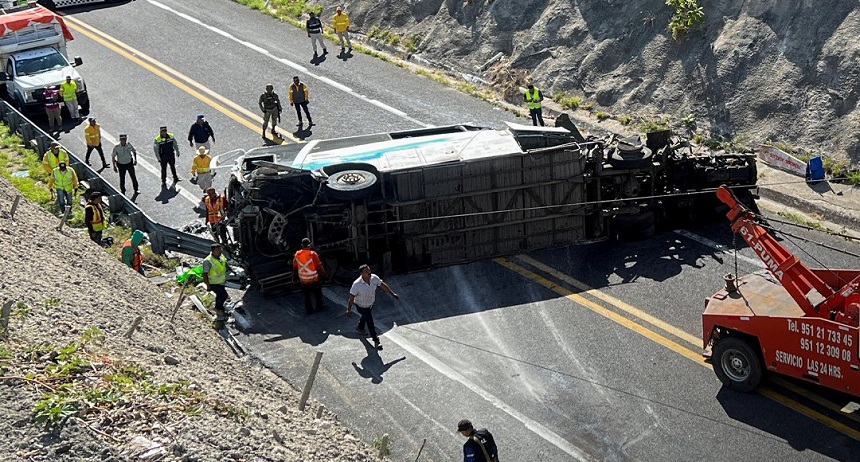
(190, 399)
(784, 70)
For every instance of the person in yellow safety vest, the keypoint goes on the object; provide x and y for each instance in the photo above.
(200, 168)
(69, 90)
(53, 157)
(63, 182)
(94, 217)
(93, 135)
(131, 255)
(340, 21)
(216, 212)
(307, 264)
(534, 97)
(215, 269)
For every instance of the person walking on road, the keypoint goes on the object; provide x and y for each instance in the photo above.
(93, 134)
(340, 21)
(53, 157)
(70, 90)
(216, 213)
(53, 109)
(315, 28)
(363, 296)
(166, 151)
(63, 183)
(200, 168)
(299, 97)
(215, 269)
(131, 255)
(270, 106)
(533, 98)
(480, 445)
(124, 158)
(200, 133)
(94, 217)
(308, 266)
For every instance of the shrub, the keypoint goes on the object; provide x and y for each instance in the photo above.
(624, 120)
(601, 115)
(688, 13)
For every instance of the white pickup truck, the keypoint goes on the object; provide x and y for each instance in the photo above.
(33, 55)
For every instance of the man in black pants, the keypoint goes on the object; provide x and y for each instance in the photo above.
(363, 295)
(215, 269)
(299, 97)
(166, 151)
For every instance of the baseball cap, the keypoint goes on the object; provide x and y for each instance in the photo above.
(306, 242)
(199, 116)
(163, 127)
(123, 136)
(215, 246)
(55, 144)
(464, 424)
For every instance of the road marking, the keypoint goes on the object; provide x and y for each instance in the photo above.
(660, 324)
(218, 102)
(672, 345)
(534, 426)
(291, 64)
(151, 169)
(813, 397)
(696, 357)
(719, 247)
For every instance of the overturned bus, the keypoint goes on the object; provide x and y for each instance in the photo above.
(418, 199)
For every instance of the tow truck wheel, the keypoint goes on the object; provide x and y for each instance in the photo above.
(736, 364)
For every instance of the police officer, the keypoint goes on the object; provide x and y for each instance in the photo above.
(166, 151)
(307, 264)
(480, 445)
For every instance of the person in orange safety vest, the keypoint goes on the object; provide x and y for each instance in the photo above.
(216, 212)
(307, 264)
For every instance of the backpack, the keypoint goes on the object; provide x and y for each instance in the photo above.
(488, 446)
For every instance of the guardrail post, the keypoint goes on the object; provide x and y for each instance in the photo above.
(115, 203)
(310, 383)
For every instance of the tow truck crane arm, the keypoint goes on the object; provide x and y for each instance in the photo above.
(801, 282)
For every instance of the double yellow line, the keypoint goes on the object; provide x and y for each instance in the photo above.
(218, 102)
(666, 341)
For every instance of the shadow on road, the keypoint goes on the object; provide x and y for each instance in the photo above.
(372, 367)
(167, 193)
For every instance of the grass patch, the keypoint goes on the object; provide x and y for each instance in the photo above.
(601, 115)
(801, 220)
(655, 125)
(624, 120)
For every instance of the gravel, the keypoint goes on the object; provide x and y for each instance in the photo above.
(62, 285)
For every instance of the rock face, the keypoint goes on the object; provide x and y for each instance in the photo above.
(782, 70)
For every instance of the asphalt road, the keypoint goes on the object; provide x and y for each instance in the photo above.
(586, 353)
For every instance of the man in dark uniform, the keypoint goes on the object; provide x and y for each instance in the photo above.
(480, 445)
(166, 151)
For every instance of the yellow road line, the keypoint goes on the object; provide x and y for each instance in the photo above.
(672, 345)
(813, 397)
(218, 102)
(660, 324)
(605, 312)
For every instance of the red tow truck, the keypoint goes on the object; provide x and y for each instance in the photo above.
(790, 319)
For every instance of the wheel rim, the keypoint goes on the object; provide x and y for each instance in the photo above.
(736, 365)
(352, 178)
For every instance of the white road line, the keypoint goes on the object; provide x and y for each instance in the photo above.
(537, 428)
(718, 247)
(291, 64)
(146, 165)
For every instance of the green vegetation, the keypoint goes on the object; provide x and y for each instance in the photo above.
(384, 35)
(801, 220)
(624, 120)
(412, 43)
(689, 121)
(566, 100)
(78, 383)
(601, 115)
(687, 14)
(655, 125)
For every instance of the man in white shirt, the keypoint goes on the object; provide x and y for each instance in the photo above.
(363, 295)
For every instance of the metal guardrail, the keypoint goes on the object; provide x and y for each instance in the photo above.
(162, 238)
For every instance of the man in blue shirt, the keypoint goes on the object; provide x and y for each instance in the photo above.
(200, 133)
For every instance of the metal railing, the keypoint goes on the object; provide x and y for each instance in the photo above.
(162, 238)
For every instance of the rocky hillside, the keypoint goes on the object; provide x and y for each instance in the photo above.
(73, 387)
(784, 70)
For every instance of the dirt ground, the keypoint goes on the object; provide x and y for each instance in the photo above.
(774, 70)
(173, 391)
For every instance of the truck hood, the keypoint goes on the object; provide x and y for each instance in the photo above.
(54, 77)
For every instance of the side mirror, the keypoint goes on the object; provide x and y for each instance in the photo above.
(4, 76)
(78, 61)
